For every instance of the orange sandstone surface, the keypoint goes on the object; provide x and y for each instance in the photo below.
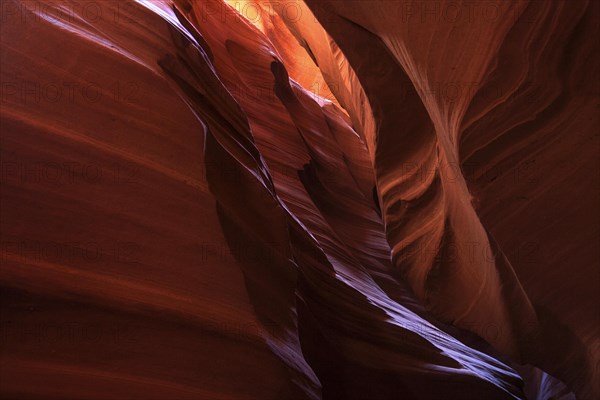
(318, 199)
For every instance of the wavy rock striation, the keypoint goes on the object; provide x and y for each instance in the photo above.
(299, 200)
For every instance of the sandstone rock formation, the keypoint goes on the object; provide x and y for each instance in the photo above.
(318, 199)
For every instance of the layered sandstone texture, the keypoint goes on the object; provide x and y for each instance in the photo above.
(318, 199)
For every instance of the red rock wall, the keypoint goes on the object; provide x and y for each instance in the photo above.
(320, 199)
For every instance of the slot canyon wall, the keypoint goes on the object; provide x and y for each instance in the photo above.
(318, 199)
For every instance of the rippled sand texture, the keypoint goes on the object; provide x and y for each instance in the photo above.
(312, 199)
